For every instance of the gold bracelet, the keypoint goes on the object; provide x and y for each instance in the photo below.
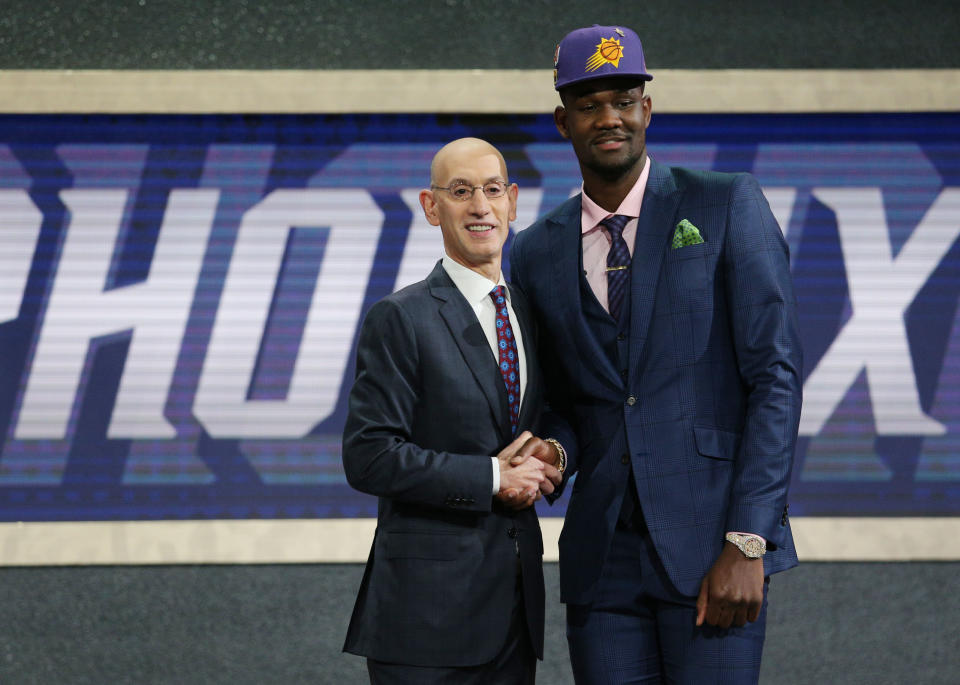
(562, 464)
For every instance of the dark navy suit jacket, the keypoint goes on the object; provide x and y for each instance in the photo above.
(427, 410)
(708, 408)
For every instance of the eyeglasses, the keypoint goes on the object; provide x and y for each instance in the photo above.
(462, 192)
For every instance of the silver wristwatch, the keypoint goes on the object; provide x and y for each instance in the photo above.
(752, 546)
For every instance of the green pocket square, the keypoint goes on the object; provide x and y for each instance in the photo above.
(686, 234)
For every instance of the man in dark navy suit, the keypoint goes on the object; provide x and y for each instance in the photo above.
(668, 325)
(447, 389)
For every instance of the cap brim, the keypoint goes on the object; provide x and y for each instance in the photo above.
(594, 77)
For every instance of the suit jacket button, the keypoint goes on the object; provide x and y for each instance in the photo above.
(631, 400)
(512, 532)
(625, 459)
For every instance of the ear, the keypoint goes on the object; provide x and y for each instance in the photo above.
(512, 193)
(647, 109)
(429, 204)
(560, 119)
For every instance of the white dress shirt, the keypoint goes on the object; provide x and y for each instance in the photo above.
(476, 288)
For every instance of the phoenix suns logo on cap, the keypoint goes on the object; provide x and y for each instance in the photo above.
(609, 51)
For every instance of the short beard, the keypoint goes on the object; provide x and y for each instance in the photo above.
(613, 173)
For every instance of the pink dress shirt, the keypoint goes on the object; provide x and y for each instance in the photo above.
(596, 241)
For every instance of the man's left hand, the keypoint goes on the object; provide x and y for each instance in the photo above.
(732, 591)
(547, 453)
(514, 498)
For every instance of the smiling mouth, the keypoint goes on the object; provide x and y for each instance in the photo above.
(609, 143)
(480, 228)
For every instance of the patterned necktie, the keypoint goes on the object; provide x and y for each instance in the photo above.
(618, 263)
(507, 354)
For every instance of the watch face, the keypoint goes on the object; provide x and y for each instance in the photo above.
(753, 547)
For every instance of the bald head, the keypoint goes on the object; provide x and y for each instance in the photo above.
(453, 155)
(472, 202)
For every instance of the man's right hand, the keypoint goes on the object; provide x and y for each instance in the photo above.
(546, 453)
(520, 480)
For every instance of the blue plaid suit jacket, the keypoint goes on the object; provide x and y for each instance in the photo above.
(709, 409)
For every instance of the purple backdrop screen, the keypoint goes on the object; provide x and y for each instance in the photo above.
(181, 296)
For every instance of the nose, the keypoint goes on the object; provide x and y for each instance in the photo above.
(479, 204)
(607, 117)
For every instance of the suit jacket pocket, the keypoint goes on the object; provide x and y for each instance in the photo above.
(689, 251)
(688, 277)
(716, 443)
(420, 545)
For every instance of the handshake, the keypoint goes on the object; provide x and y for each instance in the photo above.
(528, 470)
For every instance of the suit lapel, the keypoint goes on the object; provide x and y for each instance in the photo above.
(525, 323)
(566, 253)
(660, 201)
(468, 336)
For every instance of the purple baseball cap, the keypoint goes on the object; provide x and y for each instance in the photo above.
(598, 52)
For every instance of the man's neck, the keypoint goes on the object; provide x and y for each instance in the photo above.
(489, 270)
(607, 192)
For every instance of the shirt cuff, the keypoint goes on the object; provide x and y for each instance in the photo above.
(496, 474)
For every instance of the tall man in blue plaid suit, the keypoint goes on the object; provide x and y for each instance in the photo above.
(669, 341)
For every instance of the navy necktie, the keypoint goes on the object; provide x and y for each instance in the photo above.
(618, 263)
(508, 359)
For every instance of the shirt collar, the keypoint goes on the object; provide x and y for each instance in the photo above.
(593, 214)
(473, 286)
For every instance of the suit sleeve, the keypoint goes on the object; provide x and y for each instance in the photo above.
(379, 457)
(762, 306)
(554, 422)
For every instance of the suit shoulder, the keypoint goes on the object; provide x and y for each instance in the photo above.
(560, 214)
(408, 294)
(401, 303)
(715, 187)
